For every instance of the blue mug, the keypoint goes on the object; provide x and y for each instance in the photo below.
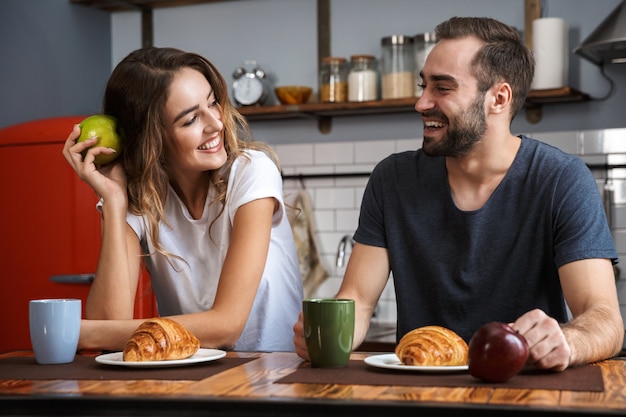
(54, 329)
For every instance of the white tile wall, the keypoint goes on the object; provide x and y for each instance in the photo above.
(336, 200)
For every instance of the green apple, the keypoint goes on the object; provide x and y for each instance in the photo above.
(103, 127)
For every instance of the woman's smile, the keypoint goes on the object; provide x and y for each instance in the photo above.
(210, 145)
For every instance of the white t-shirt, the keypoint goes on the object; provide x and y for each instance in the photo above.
(189, 286)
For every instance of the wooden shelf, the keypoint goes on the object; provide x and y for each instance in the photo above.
(324, 112)
(534, 101)
(318, 110)
(126, 5)
(537, 98)
(557, 95)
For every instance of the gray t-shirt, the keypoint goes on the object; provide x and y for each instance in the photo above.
(461, 269)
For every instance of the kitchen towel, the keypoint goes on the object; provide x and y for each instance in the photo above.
(302, 224)
(551, 51)
(86, 368)
(583, 378)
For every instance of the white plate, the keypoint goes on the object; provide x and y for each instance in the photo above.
(202, 355)
(391, 361)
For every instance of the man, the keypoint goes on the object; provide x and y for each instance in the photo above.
(481, 225)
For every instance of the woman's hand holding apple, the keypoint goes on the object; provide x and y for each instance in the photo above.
(108, 181)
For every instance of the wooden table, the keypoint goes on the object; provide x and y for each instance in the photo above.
(249, 389)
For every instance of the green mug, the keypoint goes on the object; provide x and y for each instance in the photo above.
(328, 331)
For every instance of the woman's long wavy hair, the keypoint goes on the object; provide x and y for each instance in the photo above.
(136, 94)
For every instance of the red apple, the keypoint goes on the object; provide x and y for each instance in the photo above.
(496, 352)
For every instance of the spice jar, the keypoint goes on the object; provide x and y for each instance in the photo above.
(423, 43)
(333, 79)
(398, 67)
(362, 78)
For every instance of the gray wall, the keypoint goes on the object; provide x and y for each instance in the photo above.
(56, 58)
(281, 35)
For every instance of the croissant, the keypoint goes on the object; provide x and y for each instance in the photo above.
(432, 346)
(158, 339)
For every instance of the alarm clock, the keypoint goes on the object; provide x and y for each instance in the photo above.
(249, 86)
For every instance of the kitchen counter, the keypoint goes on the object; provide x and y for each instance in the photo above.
(264, 384)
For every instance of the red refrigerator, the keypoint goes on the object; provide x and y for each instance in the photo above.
(49, 227)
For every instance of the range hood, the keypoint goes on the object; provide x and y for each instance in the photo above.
(607, 44)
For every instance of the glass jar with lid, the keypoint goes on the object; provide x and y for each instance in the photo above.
(398, 67)
(333, 79)
(363, 78)
(423, 43)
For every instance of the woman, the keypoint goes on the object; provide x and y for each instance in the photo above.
(197, 202)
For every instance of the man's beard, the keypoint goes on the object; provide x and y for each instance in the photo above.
(465, 129)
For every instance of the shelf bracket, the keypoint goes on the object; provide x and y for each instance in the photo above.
(147, 27)
(324, 124)
(532, 11)
(534, 114)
